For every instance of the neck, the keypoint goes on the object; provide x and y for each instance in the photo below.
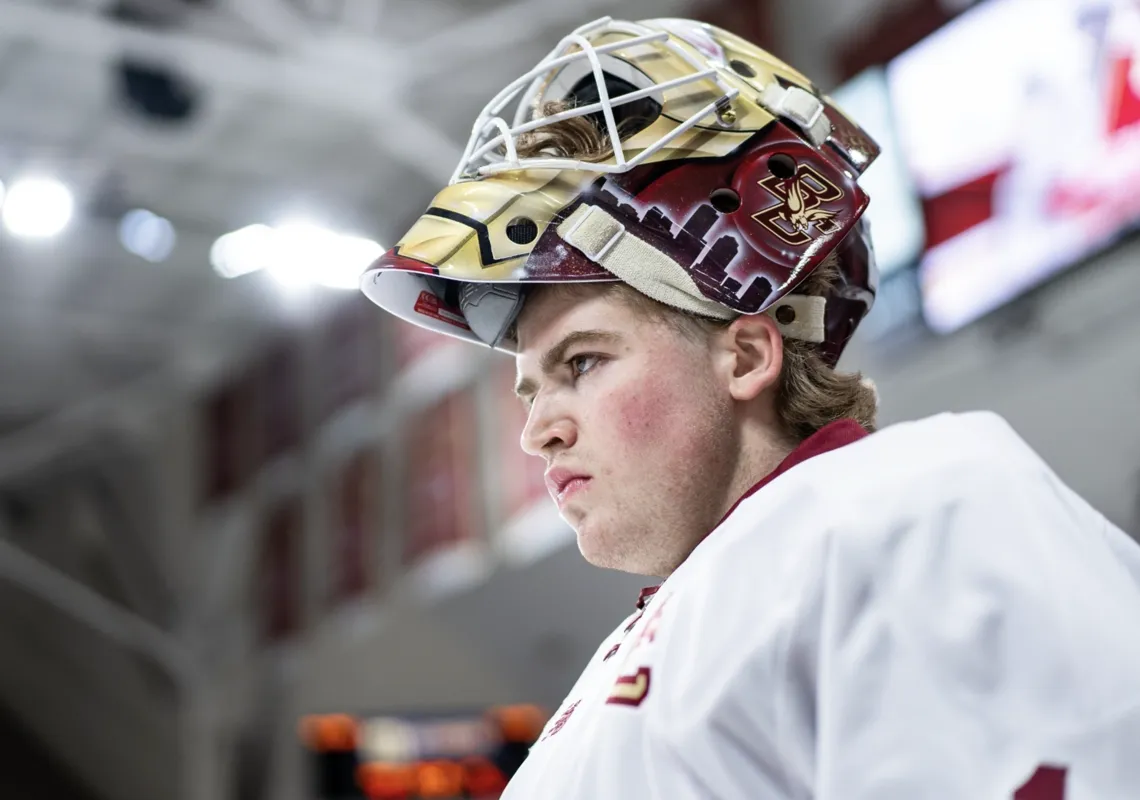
(758, 458)
(740, 460)
(753, 464)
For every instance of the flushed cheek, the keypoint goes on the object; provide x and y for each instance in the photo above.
(642, 417)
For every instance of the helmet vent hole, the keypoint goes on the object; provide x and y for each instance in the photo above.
(724, 201)
(522, 230)
(785, 315)
(742, 68)
(782, 165)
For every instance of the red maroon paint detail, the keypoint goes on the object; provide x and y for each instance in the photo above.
(645, 596)
(640, 683)
(1048, 783)
(431, 306)
(560, 723)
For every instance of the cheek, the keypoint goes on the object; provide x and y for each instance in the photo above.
(652, 416)
(634, 415)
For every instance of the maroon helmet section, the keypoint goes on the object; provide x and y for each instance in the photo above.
(747, 228)
(853, 296)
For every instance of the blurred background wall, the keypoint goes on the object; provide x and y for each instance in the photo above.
(255, 535)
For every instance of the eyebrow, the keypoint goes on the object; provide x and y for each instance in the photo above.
(526, 387)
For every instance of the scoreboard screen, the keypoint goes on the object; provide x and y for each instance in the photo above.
(468, 755)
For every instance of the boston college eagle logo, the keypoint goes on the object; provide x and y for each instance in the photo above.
(797, 211)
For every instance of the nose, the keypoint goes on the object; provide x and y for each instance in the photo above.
(548, 428)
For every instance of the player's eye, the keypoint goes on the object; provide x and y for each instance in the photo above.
(582, 363)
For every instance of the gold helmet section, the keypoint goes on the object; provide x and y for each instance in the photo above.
(739, 63)
(480, 230)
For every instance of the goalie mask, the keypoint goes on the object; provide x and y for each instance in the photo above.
(725, 180)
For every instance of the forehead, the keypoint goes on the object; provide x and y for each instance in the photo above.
(554, 311)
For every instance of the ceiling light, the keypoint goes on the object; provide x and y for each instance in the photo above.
(147, 235)
(37, 208)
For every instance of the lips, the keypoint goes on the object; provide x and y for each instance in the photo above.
(562, 482)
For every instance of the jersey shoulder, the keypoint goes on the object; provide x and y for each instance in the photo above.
(910, 481)
(872, 495)
(963, 497)
(929, 463)
(945, 444)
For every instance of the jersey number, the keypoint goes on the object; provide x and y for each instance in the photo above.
(1047, 783)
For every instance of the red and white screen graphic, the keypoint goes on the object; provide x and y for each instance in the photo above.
(1020, 122)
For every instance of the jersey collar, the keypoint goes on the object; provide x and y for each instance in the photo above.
(646, 594)
(830, 437)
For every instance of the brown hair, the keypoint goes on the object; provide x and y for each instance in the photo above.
(811, 394)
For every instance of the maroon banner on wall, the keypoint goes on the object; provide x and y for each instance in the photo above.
(279, 403)
(350, 356)
(356, 526)
(441, 477)
(278, 581)
(227, 417)
(522, 475)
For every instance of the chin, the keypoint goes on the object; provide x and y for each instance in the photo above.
(596, 545)
(605, 547)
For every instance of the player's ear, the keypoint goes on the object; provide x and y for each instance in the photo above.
(752, 354)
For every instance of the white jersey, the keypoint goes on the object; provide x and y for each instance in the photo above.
(925, 613)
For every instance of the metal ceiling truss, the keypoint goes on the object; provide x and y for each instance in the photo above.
(317, 66)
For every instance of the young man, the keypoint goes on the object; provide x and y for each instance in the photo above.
(666, 233)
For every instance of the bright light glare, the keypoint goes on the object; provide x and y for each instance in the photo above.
(147, 235)
(37, 208)
(242, 251)
(301, 247)
(295, 253)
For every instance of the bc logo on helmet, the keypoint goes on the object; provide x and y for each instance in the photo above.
(798, 208)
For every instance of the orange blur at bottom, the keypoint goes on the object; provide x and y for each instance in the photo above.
(482, 778)
(330, 732)
(477, 777)
(471, 776)
(388, 781)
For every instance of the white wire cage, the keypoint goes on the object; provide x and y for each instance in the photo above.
(493, 146)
